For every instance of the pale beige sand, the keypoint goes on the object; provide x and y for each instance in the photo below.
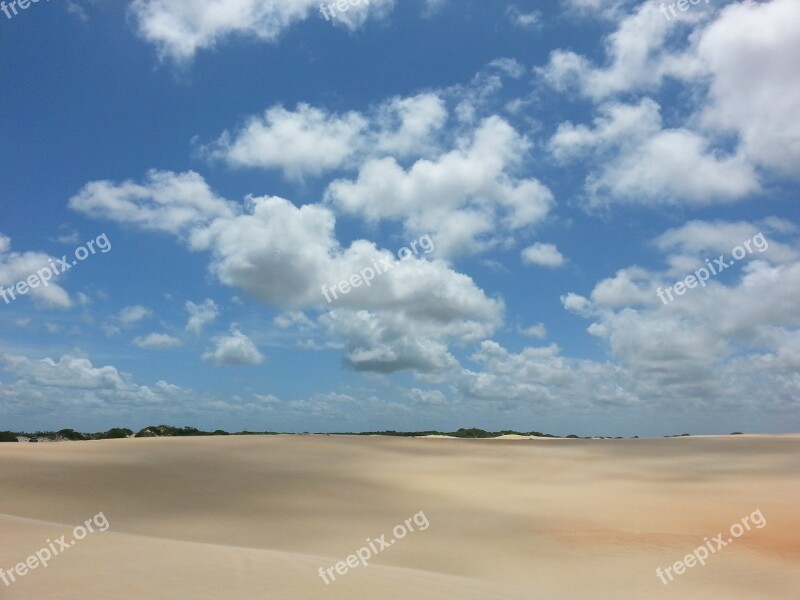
(255, 517)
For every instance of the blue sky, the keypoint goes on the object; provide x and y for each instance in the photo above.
(565, 162)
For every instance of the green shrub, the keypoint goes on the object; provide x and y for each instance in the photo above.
(8, 436)
(116, 433)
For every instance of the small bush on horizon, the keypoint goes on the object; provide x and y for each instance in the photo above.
(115, 433)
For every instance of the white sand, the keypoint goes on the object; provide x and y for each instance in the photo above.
(255, 517)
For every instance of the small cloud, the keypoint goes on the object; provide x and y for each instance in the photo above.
(432, 7)
(71, 238)
(295, 319)
(157, 341)
(234, 349)
(77, 10)
(269, 399)
(544, 255)
(133, 314)
(201, 315)
(427, 397)
(509, 66)
(84, 299)
(23, 323)
(110, 330)
(538, 331)
(523, 20)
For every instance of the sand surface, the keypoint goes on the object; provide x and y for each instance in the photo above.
(256, 517)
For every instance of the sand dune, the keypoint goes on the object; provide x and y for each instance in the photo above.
(256, 517)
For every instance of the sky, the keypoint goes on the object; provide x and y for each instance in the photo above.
(575, 217)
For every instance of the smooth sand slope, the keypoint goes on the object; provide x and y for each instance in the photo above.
(256, 517)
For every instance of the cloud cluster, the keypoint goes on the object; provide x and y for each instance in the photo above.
(462, 197)
(736, 70)
(282, 255)
(310, 141)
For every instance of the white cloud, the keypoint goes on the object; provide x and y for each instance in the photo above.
(538, 331)
(643, 162)
(521, 19)
(283, 255)
(544, 255)
(310, 141)
(734, 58)
(74, 383)
(234, 349)
(715, 345)
(462, 198)
(406, 126)
(427, 398)
(133, 314)
(692, 242)
(16, 267)
(180, 29)
(637, 57)
(70, 372)
(750, 53)
(171, 202)
(157, 341)
(541, 377)
(307, 141)
(510, 66)
(200, 315)
(294, 320)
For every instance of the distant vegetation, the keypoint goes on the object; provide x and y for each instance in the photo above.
(171, 431)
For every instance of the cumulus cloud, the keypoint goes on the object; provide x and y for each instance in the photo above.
(735, 57)
(310, 141)
(19, 266)
(540, 377)
(461, 198)
(180, 29)
(544, 255)
(638, 56)
(306, 141)
(74, 383)
(234, 349)
(157, 341)
(170, 202)
(750, 53)
(699, 349)
(644, 162)
(283, 255)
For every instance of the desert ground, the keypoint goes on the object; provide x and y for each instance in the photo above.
(257, 517)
